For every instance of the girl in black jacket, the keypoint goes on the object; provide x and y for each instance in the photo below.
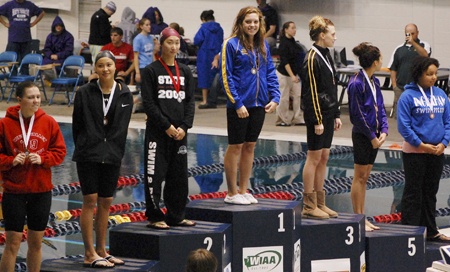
(101, 114)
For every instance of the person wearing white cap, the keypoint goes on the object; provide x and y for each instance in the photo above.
(100, 28)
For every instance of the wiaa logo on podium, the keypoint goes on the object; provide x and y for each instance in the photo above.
(263, 259)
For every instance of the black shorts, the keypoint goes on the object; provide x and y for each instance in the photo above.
(36, 208)
(242, 130)
(98, 178)
(317, 142)
(363, 152)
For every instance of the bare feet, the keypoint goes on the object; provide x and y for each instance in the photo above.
(371, 227)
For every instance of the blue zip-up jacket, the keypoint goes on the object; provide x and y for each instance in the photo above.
(363, 108)
(242, 87)
(413, 116)
(209, 39)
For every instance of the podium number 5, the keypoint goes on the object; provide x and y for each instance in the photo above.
(411, 246)
(350, 239)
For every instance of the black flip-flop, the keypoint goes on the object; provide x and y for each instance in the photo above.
(95, 264)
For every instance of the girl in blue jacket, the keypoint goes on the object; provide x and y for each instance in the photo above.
(368, 116)
(251, 85)
(423, 117)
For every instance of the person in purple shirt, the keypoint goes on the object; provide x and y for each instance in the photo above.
(58, 46)
(19, 13)
(370, 125)
(156, 20)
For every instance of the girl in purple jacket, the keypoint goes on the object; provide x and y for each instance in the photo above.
(368, 116)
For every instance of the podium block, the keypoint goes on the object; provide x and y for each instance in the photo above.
(385, 247)
(335, 244)
(76, 265)
(265, 235)
(171, 247)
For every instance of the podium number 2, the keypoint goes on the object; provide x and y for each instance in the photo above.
(350, 239)
(208, 242)
(281, 228)
(411, 246)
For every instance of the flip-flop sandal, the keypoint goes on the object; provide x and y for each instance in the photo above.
(185, 223)
(97, 264)
(441, 238)
(161, 225)
(114, 260)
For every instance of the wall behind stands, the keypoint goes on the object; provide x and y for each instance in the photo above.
(381, 22)
(378, 21)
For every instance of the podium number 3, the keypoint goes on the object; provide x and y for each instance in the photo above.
(411, 246)
(350, 239)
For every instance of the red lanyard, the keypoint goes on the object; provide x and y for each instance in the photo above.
(176, 84)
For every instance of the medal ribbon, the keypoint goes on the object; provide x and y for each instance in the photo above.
(325, 60)
(26, 134)
(428, 101)
(372, 86)
(176, 84)
(108, 105)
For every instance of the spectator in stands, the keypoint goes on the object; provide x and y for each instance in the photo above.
(183, 54)
(144, 47)
(201, 260)
(402, 59)
(271, 22)
(19, 13)
(423, 120)
(100, 28)
(58, 46)
(156, 20)
(288, 73)
(209, 39)
(370, 125)
(123, 52)
(128, 25)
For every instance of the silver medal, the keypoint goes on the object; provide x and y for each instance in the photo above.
(105, 121)
(254, 71)
(179, 100)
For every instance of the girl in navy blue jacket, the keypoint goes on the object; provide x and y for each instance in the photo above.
(368, 116)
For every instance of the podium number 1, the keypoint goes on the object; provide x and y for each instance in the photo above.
(281, 228)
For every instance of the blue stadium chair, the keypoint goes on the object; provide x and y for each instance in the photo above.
(65, 80)
(22, 75)
(7, 64)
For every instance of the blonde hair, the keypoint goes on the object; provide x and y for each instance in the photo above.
(317, 25)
